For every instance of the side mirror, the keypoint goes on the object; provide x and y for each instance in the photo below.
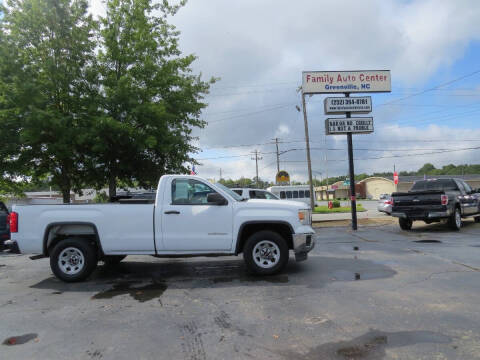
(216, 199)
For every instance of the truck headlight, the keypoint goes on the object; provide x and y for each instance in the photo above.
(305, 217)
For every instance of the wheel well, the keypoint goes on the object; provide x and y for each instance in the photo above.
(282, 229)
(61, 231)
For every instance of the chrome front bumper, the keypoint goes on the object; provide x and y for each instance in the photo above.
(302, 245)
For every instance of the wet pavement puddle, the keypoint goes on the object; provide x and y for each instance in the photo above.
(141, 293)
(371, 345)
(428, 241)
(20, 339)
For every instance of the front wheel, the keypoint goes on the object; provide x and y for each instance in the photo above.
(265, 253)
(405, 224)
(456, 220)
(73, 259)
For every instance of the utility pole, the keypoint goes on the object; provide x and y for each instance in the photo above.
(278, 156)
(256, 158)
(307, 144)
(220, 174)
(353, 198)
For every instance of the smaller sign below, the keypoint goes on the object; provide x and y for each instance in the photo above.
(357, 125)
(341, 105)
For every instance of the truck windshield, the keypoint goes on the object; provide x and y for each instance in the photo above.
(230, 192)
(442, 184)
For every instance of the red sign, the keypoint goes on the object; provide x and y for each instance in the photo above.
(395, 178)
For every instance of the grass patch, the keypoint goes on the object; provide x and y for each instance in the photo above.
(345, 209)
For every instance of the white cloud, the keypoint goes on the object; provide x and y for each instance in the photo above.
(259, 49)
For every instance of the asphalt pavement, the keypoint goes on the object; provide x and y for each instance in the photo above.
(378, 293)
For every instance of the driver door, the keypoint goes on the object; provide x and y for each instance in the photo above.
(190, 224)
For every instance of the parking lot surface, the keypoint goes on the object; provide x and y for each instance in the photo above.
(378, 293)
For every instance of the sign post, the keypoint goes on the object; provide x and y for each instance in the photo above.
(325, 82)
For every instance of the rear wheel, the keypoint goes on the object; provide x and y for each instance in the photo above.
(73, 259)
(405, 224)
(455, 221)
(112, 260)
(265, 253)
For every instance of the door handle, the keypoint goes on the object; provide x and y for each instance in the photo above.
(172, 212)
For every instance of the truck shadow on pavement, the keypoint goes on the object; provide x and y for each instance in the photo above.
(420, 226)
(144, 281)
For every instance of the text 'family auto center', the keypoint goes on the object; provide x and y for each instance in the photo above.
(348, 81)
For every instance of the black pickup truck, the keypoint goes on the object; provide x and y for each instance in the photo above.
(435, 200)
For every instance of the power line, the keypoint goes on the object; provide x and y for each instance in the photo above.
(433, 88)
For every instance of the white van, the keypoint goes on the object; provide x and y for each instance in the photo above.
(293, 192)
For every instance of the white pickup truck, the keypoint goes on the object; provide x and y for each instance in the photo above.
(189, 216)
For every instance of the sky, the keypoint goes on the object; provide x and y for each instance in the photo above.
(258, 50)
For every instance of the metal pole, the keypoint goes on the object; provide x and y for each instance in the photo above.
(352, 176)
(278, 156)
(307, 143)
(256, 165)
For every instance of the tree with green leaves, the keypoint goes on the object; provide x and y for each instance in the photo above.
(151, 101)
(47, 53)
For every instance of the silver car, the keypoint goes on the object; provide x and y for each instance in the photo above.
(385, 204)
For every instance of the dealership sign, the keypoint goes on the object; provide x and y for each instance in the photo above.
(322, 82)
(357, 125)
(342, 105)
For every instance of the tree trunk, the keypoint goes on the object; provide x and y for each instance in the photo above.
(112, 187)
(66, 196)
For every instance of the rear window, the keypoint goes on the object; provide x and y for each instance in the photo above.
(441, 184)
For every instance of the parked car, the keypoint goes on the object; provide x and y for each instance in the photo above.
(4, 226)
(190, 217)
(435, 200)
(248, 193)
(385, 204)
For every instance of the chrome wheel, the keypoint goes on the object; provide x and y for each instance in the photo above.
(458, 219)
(266, 254)
(71, 261)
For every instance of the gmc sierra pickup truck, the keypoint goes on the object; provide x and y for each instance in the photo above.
(189, 216)
(435, 200)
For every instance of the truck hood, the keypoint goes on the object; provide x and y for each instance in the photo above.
(287, 204)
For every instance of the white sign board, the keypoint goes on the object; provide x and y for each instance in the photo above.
(341, 105)
(323, 82)
(355, 125)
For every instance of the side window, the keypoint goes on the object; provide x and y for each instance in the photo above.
(289, 194)
(467, 187)
(260, 194)
(307, 193)
(282, 195)
(461, 187)
(239, 192)
(252, 194)
(301, 194)
(189, 192)
(270, 196)
(295, 194)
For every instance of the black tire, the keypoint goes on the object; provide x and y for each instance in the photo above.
(455, 221)
(83, 247)
(269, 237)
(405, 224)
(477, 219)
(112, 260)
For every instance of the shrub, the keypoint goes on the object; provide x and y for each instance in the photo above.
(336, 203)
